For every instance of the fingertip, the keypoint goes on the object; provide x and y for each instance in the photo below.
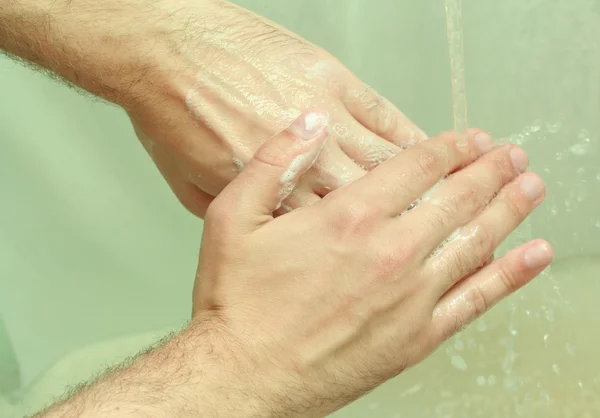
(538, 255)
(483, 142)
(310, 124)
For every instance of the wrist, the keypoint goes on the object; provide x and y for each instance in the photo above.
(246, 377)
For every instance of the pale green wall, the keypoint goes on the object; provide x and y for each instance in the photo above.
(93, 244)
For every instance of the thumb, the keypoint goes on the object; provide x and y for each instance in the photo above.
(271, 175)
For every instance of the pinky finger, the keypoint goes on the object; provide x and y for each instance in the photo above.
(475, 295)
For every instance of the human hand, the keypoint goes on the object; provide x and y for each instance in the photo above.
(223, 80)
(205, 83)
(321, 305)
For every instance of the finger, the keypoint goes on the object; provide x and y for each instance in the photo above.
(487, 262)
(382, 118)
(271, 175)
(398, 182)
(464, 194)
(192, 198)
(300, 197)
(478, 239)
(365, 148)
(334, 170)
(477, 294)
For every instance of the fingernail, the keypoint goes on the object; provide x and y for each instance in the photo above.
(532, 187)
(483, 142)
(519, 160)
(538, 256)
(309, 125)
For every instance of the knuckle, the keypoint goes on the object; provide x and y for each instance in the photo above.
(439, 218)
(466, 202)
(502, 165)
(458, 323)
(483, 243)
(354, 218)
(461, 261)
(509, 279)
(500, 168)
(476, 302)
(465, 261)
(452, 322)
(388, 260)
(385, 121)
(513, 204)
(428, 164)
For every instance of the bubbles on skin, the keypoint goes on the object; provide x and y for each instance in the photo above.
(369, 99)
(313, 119)
(303, 161)
(193, 102)
(426, 197)
(293, 169)
(377, 154)
(239, 164)
(340, 173)
(373, 151)
(453, 237)
(340, 130)
(322, 71)
(270, 95)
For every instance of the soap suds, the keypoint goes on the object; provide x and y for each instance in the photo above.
(239, 164)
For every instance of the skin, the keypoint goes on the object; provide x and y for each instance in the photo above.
(205, 83)
(362, 296)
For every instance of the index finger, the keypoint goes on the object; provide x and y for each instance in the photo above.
(397, 183)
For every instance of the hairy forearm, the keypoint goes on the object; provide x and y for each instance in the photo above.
(107, 47)
(188, 375)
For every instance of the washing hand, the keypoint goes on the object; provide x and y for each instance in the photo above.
(298, 315)
(363, 293)
(206, 82)
(231, 80)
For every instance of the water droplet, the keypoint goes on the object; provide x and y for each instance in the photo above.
(446, 394)
(545, 397)
(481, 380)
(553, 127)
(459, 363)
(556, 369)
(491, 380)
(579, 149)
(459, 345)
